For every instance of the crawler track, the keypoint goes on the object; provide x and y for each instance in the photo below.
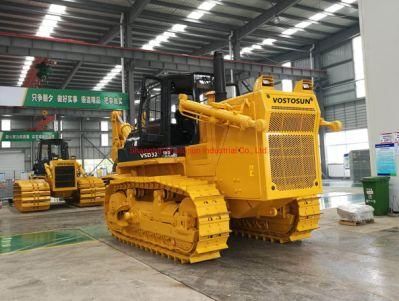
(178, 217)
(295, 221)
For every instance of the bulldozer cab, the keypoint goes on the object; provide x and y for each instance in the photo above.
(48, 150)
(160, 124)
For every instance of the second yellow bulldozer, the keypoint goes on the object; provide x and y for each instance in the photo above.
(200, 165)
(57, 175)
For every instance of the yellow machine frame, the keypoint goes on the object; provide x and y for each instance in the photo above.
(257, 165)
(50, 177)
(35, 194)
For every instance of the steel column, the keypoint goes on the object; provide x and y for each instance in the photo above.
(130, 71)
(236, 50)
(317, 62)
(131, 91)
(81, 142)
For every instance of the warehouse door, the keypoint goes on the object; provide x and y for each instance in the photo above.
(12, 163)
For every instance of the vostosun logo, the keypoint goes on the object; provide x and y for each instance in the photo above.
(289, 100)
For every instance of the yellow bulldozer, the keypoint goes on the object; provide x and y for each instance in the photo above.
(200, 164)
(56, 175)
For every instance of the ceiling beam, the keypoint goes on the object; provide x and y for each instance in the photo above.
(25, 45)
(239, 6)
(87, 5)
(353, 5)
(172, 19)
(133, 13)
(265, 17)
(188, 8)
(252, 25)
(323, 45)
(321, 22)
(239, 17)
(71, 74)
(318, 10)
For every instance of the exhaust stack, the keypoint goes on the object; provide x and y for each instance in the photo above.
(220, 77)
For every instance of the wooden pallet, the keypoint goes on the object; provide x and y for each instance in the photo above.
(354, 223)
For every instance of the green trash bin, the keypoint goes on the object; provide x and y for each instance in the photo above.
(376, 194)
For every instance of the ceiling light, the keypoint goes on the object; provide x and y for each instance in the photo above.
(57, 9)
(290, 31)
(348, 1)
(207, 5)
(178, 28)
(333, 8)
(161, 38)
(109, 77)
(24, 71)
(147, 47)
(303, 24)
(164, 37)
(318, 17)
(169, 34)
(287, 64)
(27, 63)
(50, 21)
(154, 43)
(195, 15)
(268, 41)
(44, 33)
(253, 47)
(246, 50)
(52, 18)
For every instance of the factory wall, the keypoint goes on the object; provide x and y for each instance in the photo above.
(381, 70)
(340, 100)
(339, 90)
(82, 134)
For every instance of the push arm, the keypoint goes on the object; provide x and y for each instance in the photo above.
(120, 132)
(334, 126)
(217, 113)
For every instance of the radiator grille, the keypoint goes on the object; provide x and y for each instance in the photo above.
(292, 160)
(291, 122)
(64, 176)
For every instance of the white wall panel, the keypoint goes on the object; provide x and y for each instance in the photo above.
(337, 55)
(352, 115)
(341, 73)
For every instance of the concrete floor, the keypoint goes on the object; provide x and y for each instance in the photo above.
(337, 263)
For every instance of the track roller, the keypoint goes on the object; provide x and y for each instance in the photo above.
(178, 217)
(295, 221)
